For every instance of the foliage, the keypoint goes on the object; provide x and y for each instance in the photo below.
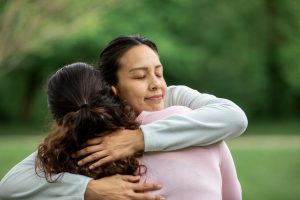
(290, 51)
(36, 39)
(246, 51)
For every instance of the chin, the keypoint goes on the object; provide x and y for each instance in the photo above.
(152, 108)
(157, 108)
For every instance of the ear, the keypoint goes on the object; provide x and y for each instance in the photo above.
(114, 89)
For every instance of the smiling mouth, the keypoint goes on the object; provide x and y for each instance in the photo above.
(154, 98)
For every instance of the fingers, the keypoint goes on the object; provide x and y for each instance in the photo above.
(141, 196)
(94, 141)
(101, 161)
(143, 187)
(130, 178)
(93, 157)
(87, 151)
(138, 189)
(128, 187)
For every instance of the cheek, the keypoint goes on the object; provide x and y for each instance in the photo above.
(133, 96)
(137, 102)
(136, 96)
(164, 85)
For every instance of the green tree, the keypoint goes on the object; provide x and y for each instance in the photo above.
(39, 36)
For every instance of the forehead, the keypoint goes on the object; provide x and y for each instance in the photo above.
(139, 56)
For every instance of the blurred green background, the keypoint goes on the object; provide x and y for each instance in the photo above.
(246, 51)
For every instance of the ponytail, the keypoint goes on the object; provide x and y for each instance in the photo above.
(83, 107)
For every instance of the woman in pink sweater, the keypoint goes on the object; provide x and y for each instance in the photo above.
(193, 173)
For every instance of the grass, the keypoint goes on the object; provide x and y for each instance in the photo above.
(274, 127)
(15, 148)
(267, 164)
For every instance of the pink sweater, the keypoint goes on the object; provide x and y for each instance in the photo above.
(193, 173)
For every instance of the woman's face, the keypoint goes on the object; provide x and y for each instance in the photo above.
(140, 79)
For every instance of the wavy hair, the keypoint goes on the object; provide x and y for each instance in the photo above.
(83, 107)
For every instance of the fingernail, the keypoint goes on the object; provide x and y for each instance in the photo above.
(79, 163)
(91, 167)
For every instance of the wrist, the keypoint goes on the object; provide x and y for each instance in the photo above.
(90, 192)
(139, 144)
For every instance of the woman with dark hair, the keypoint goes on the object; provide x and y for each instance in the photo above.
(83, 107)
(131, 66)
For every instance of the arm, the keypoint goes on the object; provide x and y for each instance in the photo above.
(231, 188)
(212, 120)
(22, 183)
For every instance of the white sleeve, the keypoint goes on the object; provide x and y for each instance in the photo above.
(212, 120)
(21, 183)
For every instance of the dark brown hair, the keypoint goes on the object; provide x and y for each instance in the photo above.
(111, 54)
(83, 106)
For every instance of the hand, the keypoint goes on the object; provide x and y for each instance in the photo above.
(111, 147)
(120, 187)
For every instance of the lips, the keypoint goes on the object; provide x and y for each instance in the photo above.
(155, 98)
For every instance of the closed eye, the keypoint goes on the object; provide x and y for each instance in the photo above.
(159, 71)
(139, 77)
(159, 74)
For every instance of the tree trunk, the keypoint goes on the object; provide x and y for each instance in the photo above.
(29, 95)
(276, 84)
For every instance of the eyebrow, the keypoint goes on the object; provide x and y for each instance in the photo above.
(143, 68)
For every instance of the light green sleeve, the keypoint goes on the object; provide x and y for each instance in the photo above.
(21, 183)
(212, 120)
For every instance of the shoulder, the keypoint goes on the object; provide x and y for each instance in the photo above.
(186, 96)
(175, 89)
(177, 95)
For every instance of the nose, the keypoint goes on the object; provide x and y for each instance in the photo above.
(155, 83)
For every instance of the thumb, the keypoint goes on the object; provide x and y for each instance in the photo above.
(130, 178)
